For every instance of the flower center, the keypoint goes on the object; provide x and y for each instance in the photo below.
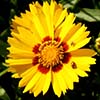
(50, 53)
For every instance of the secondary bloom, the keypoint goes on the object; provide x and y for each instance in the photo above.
(45, 49)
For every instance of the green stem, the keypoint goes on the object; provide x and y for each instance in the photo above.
(3, 72)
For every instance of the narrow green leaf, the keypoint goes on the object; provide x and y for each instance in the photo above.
(90, 15)
(4, 33)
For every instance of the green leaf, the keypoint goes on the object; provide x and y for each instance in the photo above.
(5, 33)
(3, 94)
(90, 15)
(68, 3)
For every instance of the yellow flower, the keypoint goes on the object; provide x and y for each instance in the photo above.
(45, 49)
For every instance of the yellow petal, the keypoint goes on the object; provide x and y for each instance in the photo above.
(19, 68)
(18, 61)
(15, 50)
(57, 32)
(23, 39)
(47, 82)
(82, 37)
(38, 5)
(52, 8)
(61, 81)
(37, 9)
(82, 66)
(21, 21)
(63, 14)
(57, 13)
(18, 44)
(80, 72)
(67, 25)
(16, 75)
(31, 69)
(70, 72)
(78, 45)
(68, 79)
(37, 22)
(83, 52)
(32, 82)
(72, 32)
(11, 69)
(77, 35)
(33, 8)
(20, 53)
(84, 60)
(39, 86)
(28, 36)
(20, 56)
(55, 85)
(27, 77)
(48, 11)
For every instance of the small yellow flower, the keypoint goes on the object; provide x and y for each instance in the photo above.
(45, 49)
(97, 45)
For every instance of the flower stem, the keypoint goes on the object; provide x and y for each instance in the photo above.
(3, 72)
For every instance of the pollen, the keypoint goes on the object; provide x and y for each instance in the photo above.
(50, 54)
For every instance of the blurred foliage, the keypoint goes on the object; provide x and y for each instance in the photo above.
(86, 11)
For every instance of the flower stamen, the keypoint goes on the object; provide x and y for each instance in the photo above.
(50, 53)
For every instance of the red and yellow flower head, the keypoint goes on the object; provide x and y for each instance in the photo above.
(45, 48)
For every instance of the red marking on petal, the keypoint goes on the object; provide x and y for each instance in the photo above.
(66, 57)
(65, 46)
(35, 60)
(57, 68)
(36, 48)
(47, 38)
(43, 69)
(57, 39)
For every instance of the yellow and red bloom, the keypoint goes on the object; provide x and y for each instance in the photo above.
(45, 49)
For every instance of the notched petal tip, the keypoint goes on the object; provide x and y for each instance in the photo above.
(16, 75)
(91, 52)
